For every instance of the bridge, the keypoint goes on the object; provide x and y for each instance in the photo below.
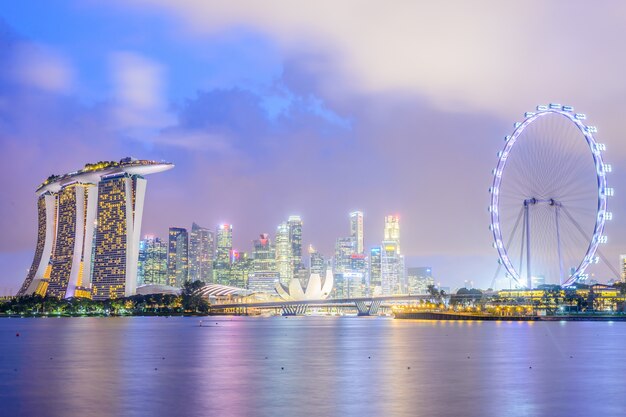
(366, 306)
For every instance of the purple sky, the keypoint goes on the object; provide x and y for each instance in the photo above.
(311, 108)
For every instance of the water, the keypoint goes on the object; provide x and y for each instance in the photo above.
(309, 366)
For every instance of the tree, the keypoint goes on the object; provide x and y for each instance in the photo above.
(192, 299)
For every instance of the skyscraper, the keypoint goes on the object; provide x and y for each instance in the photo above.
(264, 257)
(284, 257)
(88, 234)
(295, 238)
(356, 230)
(375, 270)
(418, 279)
(344, 249)
(391, 269)
(73, 230)
(316, 262)
(200, 254)
(392, 229)
(154, 265)
(178, 257)
(223, 249)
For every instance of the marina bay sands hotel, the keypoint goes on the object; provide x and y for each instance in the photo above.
(89, 229)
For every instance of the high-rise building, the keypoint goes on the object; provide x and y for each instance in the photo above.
(356, 230)
(375, 270)
(284, 258)
(264, 257)
(317, 264)
(344, 249)
(178, 257)
(391, 269)
(88, 234)
(418, 279)
(223, 250)
(622, 264)
(264, 282)
(153, 264)
(295, 238)
(239, 271)
(73, 229)
(392, 230)
(200, 254)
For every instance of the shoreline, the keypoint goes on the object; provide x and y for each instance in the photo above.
(476, 317)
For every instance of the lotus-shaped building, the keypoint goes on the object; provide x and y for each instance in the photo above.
(315, 289)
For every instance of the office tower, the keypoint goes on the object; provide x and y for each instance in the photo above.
(263, 281)
(317, 264)
(375, 270)
(392, 230)
(223, 249)
(344, 249)
(240, 269)
(392, 269)
(356, 230)
(154, 261)
(88, 230)
(141, 263)
(264, 257)
(200, 254)
(295, 238)
(284, 257)
(418, 279)
(622, 264)
(178, 257)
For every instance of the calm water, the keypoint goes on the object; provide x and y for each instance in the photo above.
(309, 366)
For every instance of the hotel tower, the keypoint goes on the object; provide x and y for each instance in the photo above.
(89, 223)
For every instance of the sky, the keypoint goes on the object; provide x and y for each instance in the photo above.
(274, 108)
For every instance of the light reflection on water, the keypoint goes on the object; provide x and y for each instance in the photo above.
(309, 366)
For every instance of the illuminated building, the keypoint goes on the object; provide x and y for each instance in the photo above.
(295, 239)
(344, 249)
(223, 249)
(178, 257)
(88, 230)
(75, 230)
(418, 279)
(264, 257)
(284, 258)
(200, 254)
(356, 230)
(239, 270)
(153, 262)
(316, 289)
(392, 230)
(38, 274)
(622, 264)
(391, 269)
(264, 281)
(375, 270)
(316, 262)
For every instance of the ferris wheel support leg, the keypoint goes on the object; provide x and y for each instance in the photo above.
(529, 282)
(558, 244)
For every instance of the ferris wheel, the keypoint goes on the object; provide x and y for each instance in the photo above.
(549, 198)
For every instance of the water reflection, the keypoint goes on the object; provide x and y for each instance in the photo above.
(309, 366)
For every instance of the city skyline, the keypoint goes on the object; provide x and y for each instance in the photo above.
(266, 118)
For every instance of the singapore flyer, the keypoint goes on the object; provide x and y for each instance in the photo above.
(549, 198)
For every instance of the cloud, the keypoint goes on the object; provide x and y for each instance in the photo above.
(42, 68)
(139, 93)
(490, 56)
